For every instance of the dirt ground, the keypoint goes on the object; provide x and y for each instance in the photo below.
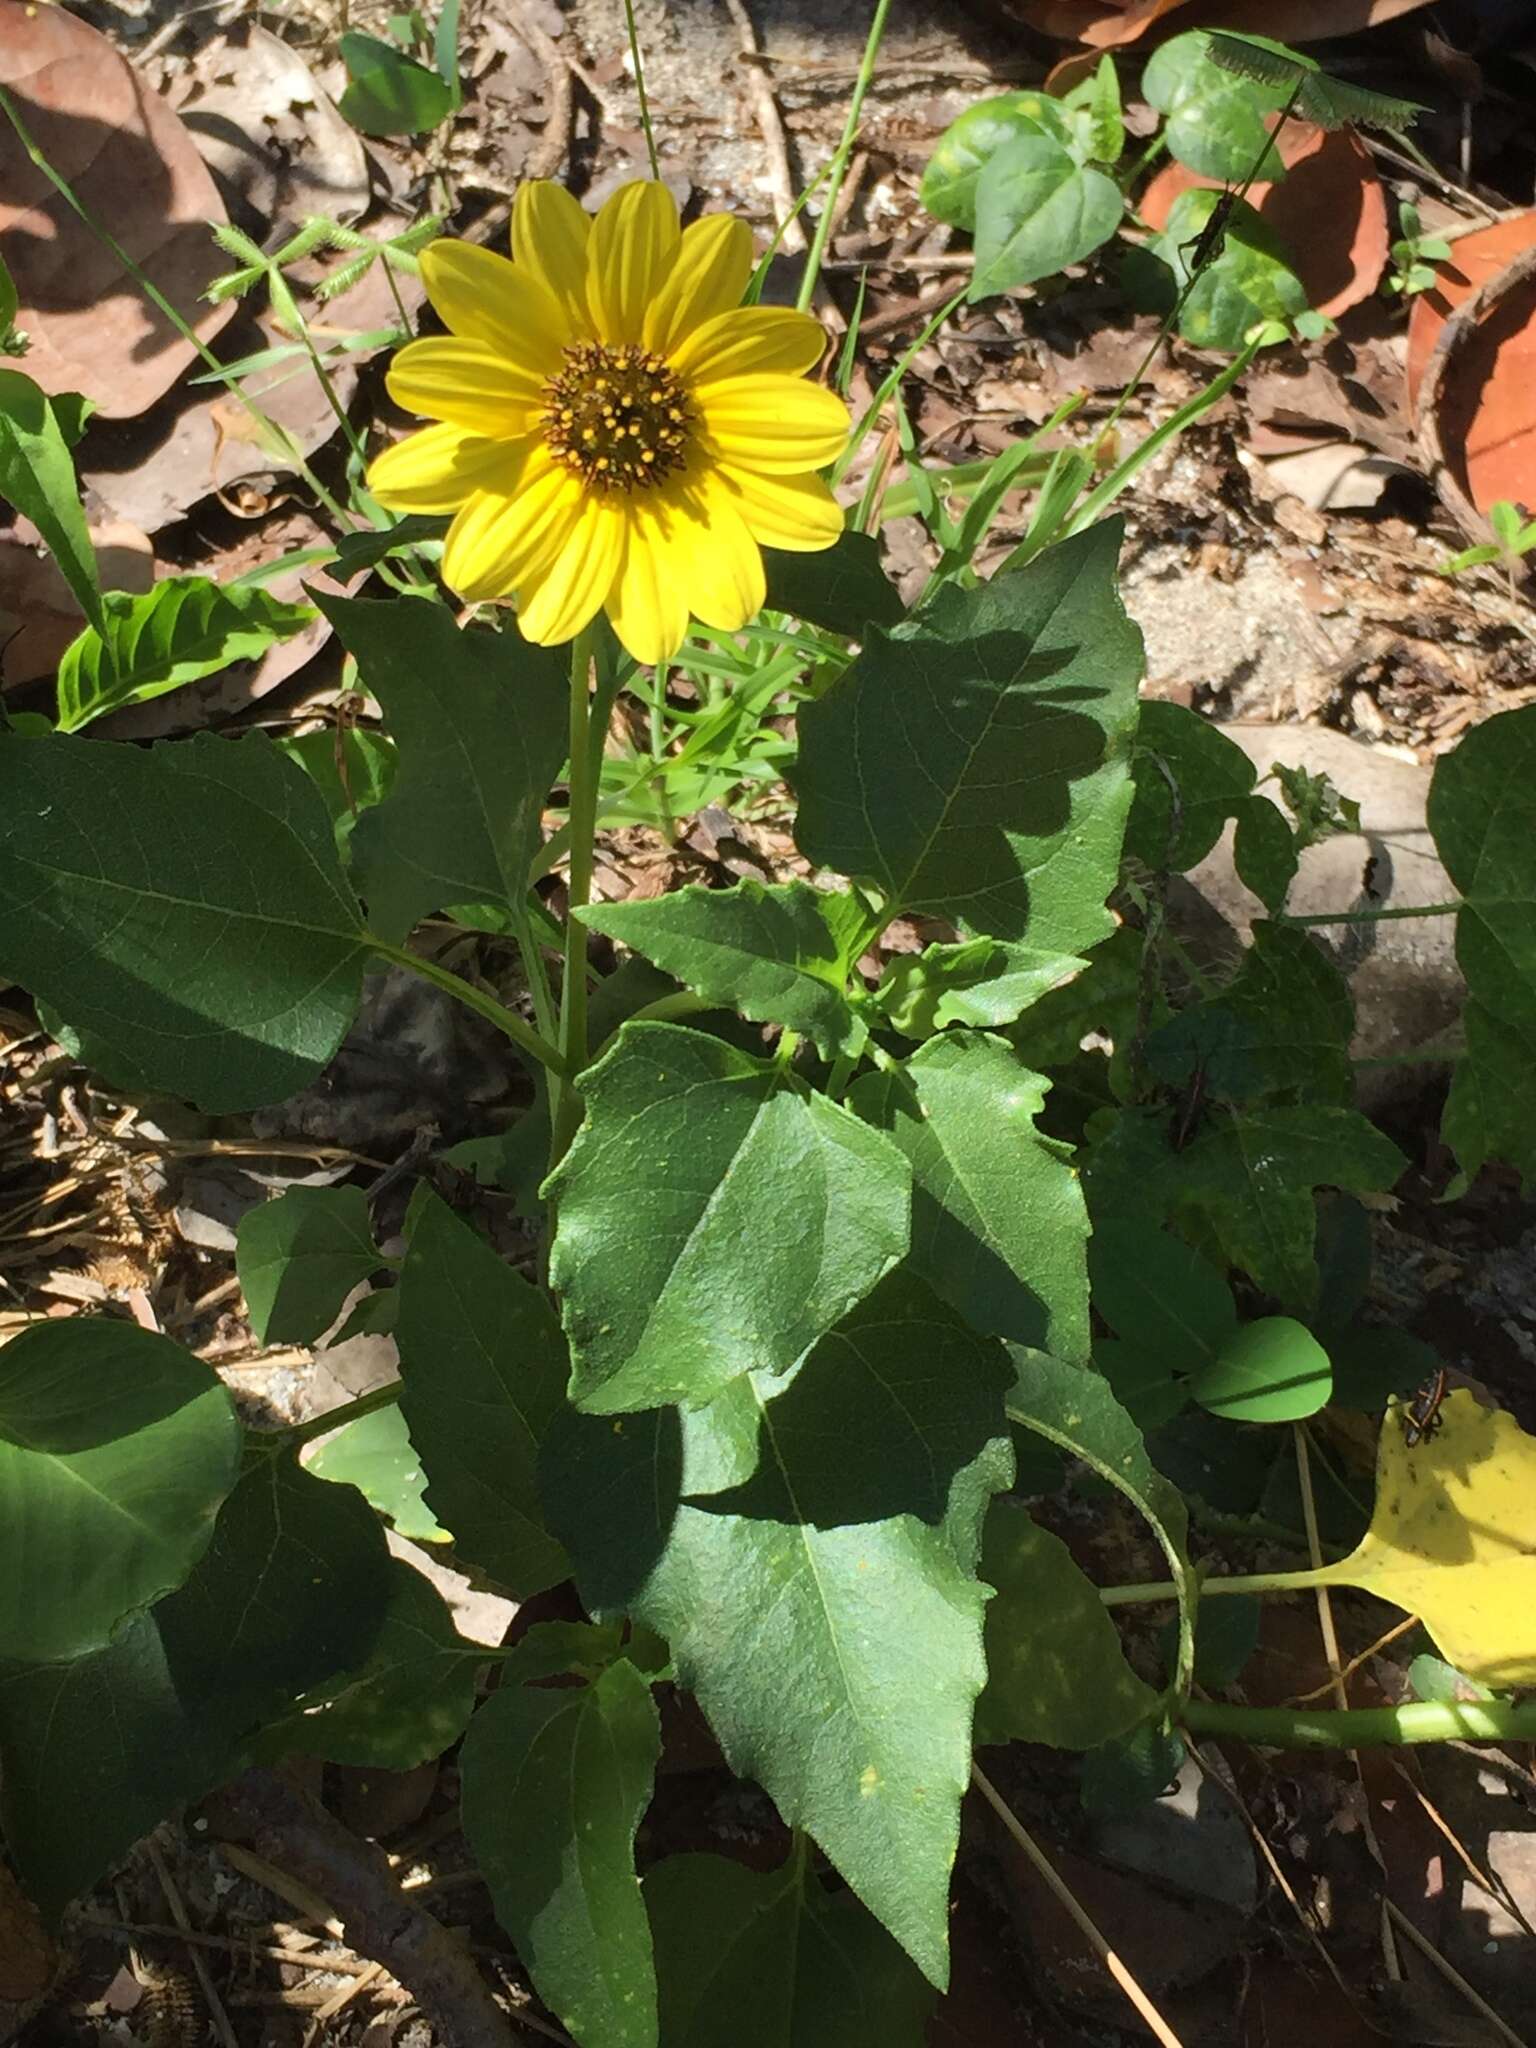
(1283, 561)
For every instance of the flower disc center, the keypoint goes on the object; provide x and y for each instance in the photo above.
(617, 418)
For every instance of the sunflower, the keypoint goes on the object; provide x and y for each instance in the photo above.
(616, 430)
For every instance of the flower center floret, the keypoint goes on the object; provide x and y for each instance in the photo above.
(617, 418)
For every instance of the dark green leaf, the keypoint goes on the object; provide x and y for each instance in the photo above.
(976, 764)
(778, 955)
(299, 1256)
(479, 720)
(979, 981)
(998, 1222)
(361, 549)
(1190, 778)
(855, 1492)
(405, 1704)
(1037, 210)
(484, 1367)
(1372, 1362)
(1158, 1293)
(1104, 998)
(1215, 119)
(969, 144)
(1284, 1023)
(117, 1449)
(1482, 812)
(352, 770)
(1131, 1770)
(1264, 851)
(38, 478)
(712, 1220)
(1055, 1670)
(1226, 1636)
(292, 1590)
(1146, 1383)
(1273, 1370)
(375, 1454)
(182, 907)
(770, 1959)
(389, 93)
(842, 587)
(554, 1787)
(173, 633)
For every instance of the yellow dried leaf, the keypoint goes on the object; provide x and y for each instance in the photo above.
(1453, 1539)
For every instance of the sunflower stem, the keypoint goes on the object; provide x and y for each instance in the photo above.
(843, 152)
(522, 1035)
(645, 105)
(583, 785)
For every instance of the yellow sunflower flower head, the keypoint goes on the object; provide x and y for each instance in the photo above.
(616, 430)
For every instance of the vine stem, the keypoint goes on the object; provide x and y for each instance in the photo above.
(1080, 1919)
(349, 1411)
(1364, 1727)
(1378, 916)
(583, 786)
(645, 105)
(1165, 1589)
(818, 249)
(506, 1021)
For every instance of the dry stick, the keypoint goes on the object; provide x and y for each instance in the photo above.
(199, 1961)
(321, 1964)
(1389, 1954)
(559, 70)
(781, 179)
(1148, 2012)
(285, 1825)
(1452, 1976)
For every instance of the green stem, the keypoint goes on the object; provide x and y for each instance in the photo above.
(1256, 1582)
(273, 436)
(1126, 178)
(645, 105)
(841, 1075)
(841, 154)
(1376, 916)
(891, 382)
(583, 785)
(535, 973)
(1365, 1727)
(349, 1411)
(506, 1021)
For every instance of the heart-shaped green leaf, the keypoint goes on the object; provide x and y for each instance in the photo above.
(1037, 210)
(389, 93)
(1215, 119)
(117, 1449)
(1273, 1370)
(969, 144)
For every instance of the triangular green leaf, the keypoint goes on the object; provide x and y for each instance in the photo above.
(117, 1449)
(37, 476)
(375, 1454)
(180, 629)
(183, 909)
(843, 587)
(299, 1256)
(712, 1220)
(95, 1752)
(976, 765)
(778, 955)
(771, 1959)
(479, 721)
(1190, 778)
(554, 1787)
(847, 1691)
(1482, 812)
(405, 1704)
(998, 1221)
(485, 1368)
(389, 93)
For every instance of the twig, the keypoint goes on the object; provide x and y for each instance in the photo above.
(559, 69)
(265, 1811)
(178, 1912)
(1451, 1975)
(781, 180)
(321, 1962)
(1149, 2013)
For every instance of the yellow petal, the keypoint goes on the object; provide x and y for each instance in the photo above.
(779, 425)
(467, 384)
(549, 240)
(633, 246)
(486, 298)
(794, 512)
(569, 589)
(500, 541)
(646, 606)
(437, 469)
(725, 583)
(750, 338)
(714, 262)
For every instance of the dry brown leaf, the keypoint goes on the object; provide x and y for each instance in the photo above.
(1104, 24)
(1330, 211)
(134, 168)
(1476, 259)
